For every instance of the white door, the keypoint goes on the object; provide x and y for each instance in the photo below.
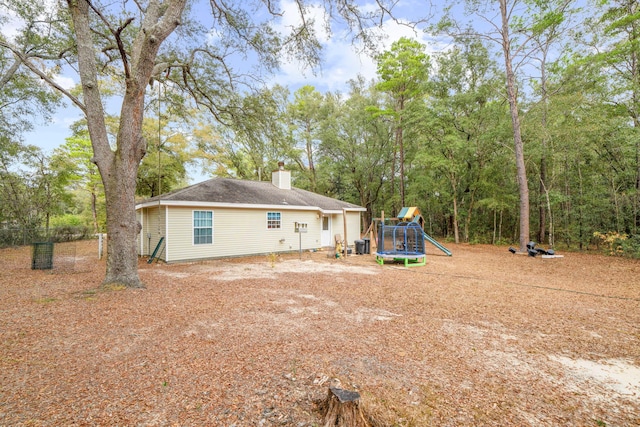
(326, 231)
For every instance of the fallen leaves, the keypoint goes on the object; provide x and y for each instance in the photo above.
(480, 338)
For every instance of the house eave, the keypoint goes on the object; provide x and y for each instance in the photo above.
(339, 211)
(177, 203)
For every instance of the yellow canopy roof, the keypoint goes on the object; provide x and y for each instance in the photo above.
(408, 213)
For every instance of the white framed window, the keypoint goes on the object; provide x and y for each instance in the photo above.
(202, 227)
(274, 220)
(325, 223)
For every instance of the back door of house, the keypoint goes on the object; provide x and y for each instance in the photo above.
(326, 231)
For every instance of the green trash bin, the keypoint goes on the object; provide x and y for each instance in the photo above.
(42, 257)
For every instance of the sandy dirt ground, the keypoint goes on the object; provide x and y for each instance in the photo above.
(482, 338)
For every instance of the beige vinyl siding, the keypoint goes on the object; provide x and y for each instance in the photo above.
(150, 227)
(353, 227)
(238, 232)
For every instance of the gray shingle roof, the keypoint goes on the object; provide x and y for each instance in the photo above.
(228, 190)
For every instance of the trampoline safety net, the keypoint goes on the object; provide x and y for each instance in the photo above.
(404, 238)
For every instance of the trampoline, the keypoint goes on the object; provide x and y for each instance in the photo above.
(403, 242)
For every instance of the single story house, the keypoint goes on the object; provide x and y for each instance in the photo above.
(225, 217)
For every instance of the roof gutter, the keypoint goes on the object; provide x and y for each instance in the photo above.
(242, 206)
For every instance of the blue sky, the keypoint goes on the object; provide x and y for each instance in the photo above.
(341, 63)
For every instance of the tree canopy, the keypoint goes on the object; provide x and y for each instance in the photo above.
(453, 130)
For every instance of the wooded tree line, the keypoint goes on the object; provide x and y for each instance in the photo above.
(506, 126)
(442, 140)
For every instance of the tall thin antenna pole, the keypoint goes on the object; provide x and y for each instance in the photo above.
(159, 141)
(159, 179)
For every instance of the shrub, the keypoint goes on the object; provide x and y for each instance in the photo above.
(66, 220)
(631, 246)
(69, 233)
(613, 241)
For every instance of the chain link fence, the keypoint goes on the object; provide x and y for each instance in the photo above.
(13, 237)
(53, 249)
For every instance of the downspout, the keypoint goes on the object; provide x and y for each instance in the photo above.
(142, 234)
(344, 221)
(166, 233)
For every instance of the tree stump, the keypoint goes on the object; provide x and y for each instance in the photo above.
(342, 408)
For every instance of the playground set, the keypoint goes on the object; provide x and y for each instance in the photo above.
(404, 239)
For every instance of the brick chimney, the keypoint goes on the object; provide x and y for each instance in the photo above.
(281, 178)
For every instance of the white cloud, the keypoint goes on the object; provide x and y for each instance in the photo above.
(291, 19)
(67, 121)
(342, 60)
(11, 25)
(64, 82)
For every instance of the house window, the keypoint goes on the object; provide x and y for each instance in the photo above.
(274, 220)
(202, 227)
(325, 223)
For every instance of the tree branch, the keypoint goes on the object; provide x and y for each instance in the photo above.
(271, 9)
(116, 34)
(11, 71)
(24, 59)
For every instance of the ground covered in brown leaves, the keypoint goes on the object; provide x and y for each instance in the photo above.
(483, 338)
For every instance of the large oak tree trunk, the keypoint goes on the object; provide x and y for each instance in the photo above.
(119, 168)
(119, 178)
(122, 225)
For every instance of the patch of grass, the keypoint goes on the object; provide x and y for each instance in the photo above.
(272, 258)
(381, 406)
(87, 294)
(114, 287)
(9, 360)
(45, 300)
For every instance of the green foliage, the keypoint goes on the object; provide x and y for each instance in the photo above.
(631, 247)
(356, 150)
(619, 244)
(77, 154)
(252, 144)
(24, 99)
(433, 131)
(305, 116)
(33, 186)
(403, 69)
(403, 72)
(460, 125)
(67, 220)
(164, 166)
(612, 241)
